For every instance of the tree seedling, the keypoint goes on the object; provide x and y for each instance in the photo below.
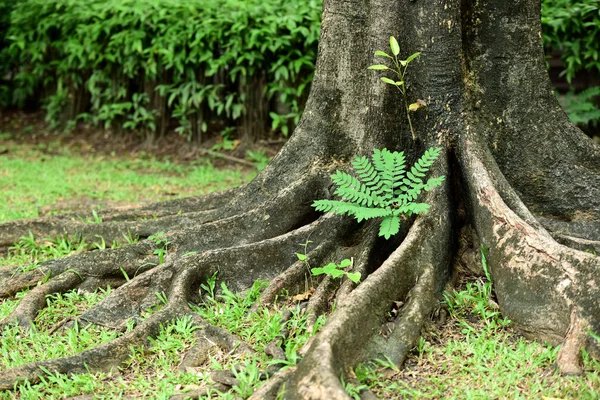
(399, 69)
(382, 189)
(337, 270)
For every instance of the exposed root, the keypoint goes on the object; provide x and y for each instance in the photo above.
(101, 358)
(208, 337)
(406, 329)
(127, 302)
(538, 282)
(568, 357)
(361, 265)
(580, 235)
(297, 278)
(352, 332)
(245, 209)
(133, 259)
(239, 264)
(35, 300)
(319, 301)
(275, 385)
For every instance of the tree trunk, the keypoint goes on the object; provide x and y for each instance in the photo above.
(517, 170)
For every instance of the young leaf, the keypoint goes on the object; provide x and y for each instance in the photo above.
(345, 263)
(388, 80)
(353, 276)
(301, 257)
(394, 46)
(332, 270)
(382, 54)
(317, 271)
(412, 57)
(378, 67)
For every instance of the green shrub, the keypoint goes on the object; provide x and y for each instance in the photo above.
(5, 11)
(583, 108)
(573, 28)
(135, 64)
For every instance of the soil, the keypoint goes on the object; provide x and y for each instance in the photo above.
(31, 128)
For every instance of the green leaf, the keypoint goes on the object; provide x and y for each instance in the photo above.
(353, 276)
(336, 273)
(382, 54)
(317, 271)
(394, 46)
(412, 57)
(332, 270)
(301, 257)
(378, 67)
(345, 263)
(389, 226)
(388, 80)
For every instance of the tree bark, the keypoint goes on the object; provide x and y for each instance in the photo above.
(517, 170)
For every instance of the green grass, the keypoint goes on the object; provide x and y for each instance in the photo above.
(35, 176)
(152, 372)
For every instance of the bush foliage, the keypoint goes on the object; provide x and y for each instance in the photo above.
(196, 65)
(573, 28)
(138, 63)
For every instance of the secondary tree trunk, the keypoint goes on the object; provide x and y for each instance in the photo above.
(517, 170)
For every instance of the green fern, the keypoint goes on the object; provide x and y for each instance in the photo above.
(583, 108)
(382, 188)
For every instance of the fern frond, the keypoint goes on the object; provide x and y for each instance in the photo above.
(428, 158)
(399, 171)
(369, 176)
(389, 226)
(343, 207)
(351, 189)
(416, 208)
(384, 162)
(382, 188)
(433, 182)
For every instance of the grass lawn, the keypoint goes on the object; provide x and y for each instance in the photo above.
(474, 354)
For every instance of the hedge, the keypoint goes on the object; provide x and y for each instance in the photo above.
(196, 65)
(139, 64)
(572, 28)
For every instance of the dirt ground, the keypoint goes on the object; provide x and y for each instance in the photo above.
(31, 128)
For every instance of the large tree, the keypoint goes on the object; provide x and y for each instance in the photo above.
(519, 175)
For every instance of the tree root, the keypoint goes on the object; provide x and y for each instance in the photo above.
(549, 290)
(209, 337)
(352, 333)
(101, 358)
(539, 282)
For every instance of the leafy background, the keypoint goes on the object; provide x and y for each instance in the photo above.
(205, 66)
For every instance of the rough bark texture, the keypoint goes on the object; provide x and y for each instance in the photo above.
(527, 179)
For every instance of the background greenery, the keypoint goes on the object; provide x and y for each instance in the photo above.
(204, 66)
(137, 64)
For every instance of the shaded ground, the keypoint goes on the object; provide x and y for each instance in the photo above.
(31, 128)
(471, 352)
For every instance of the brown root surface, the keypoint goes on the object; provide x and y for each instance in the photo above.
(540, 283)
